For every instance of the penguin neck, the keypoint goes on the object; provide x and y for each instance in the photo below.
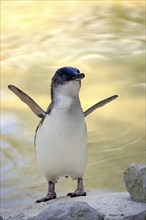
(63, 101)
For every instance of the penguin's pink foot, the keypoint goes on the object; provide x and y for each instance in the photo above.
(48, 197)
(79, 191)
(51, 193)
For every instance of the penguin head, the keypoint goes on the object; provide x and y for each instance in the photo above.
(66, 81)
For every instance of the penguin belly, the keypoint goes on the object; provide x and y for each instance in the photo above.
(61, 145)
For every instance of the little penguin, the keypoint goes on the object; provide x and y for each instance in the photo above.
(61, 136)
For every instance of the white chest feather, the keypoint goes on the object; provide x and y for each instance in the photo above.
(61, 141)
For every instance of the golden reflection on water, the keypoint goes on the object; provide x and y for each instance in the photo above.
(105, 40)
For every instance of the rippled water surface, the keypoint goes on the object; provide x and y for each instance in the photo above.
(105, 40)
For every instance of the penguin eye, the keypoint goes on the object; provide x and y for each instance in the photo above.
(63, 75)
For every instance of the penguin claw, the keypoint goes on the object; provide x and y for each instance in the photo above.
(76, 193)
(46, 198)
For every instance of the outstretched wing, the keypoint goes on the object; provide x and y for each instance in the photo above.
(29, 101)
(99, 104)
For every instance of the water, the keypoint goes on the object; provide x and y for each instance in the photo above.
(105, 40)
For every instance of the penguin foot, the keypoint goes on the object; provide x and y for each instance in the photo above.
(48, 197)
(80, 189)
(77, 193)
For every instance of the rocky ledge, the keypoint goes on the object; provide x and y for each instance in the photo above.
(106, 206)
(94, 206)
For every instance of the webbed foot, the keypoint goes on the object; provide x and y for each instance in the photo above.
(80, 189)
(48, 197)
(77, 193)
(51, 193)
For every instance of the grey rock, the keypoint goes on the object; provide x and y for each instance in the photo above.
(119, 206)
(1, 218)
(72, 210)
(107, 206)
(135, 182)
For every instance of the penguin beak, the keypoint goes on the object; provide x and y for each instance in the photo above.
(79, 76)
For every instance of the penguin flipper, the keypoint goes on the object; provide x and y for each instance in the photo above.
(29, 101)
(99, 104)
